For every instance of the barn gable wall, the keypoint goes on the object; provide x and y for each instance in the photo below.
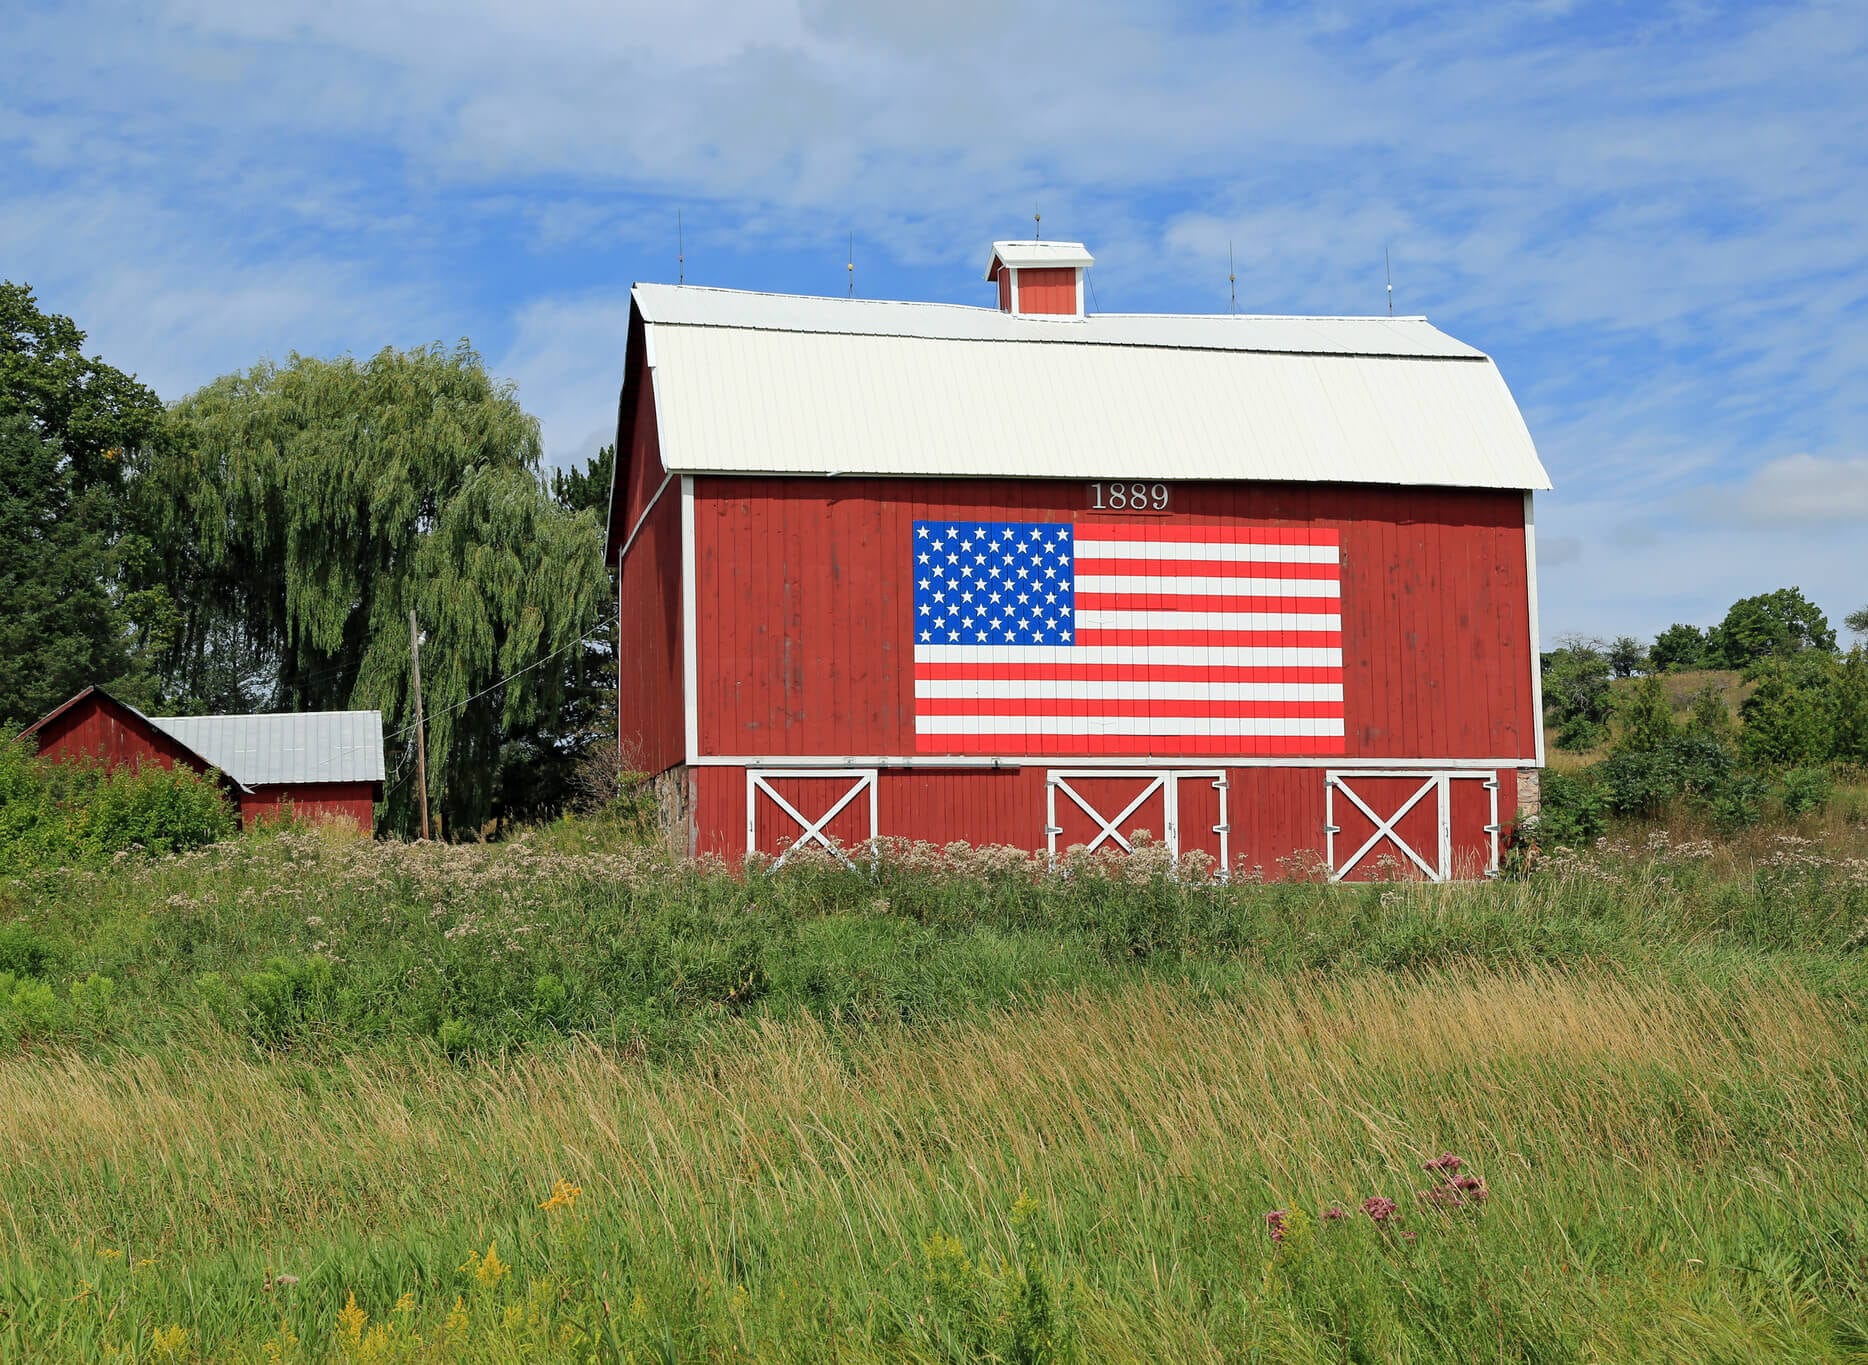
(649, 663)
(804, 594)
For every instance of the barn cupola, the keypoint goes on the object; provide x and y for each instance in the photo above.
(1040, 279)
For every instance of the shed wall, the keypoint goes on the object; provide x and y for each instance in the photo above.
(1047, 290)
(311, 800)
(96, 730)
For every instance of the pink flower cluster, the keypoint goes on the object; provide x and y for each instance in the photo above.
(1451, 1190)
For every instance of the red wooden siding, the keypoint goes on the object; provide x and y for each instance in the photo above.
(311, 800)
(1005, 291)
(1047, 290)
(1276, 816)
(652, 716)
(99, 730)
(805, 594)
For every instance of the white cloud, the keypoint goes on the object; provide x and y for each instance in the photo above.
(1797, 490)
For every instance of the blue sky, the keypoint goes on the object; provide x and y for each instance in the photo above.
(1654, 216)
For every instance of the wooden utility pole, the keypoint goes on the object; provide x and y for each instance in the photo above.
(421, 731)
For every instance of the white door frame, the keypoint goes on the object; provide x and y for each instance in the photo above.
(1439, 785)
(1166, 781)
(761, 779)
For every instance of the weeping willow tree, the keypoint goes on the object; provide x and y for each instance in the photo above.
(311, 505)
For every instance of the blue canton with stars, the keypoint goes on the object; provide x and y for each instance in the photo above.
(994, 583)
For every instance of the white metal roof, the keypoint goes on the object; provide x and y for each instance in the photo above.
(1042, 255)
(309, 746)
(781, 384)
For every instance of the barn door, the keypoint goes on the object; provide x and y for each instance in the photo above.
(789, 808)
(1100, 808)
(1104, 808)
(1383, 826)
(1201, 822)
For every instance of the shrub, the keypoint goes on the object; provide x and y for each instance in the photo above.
(1806, 790)
(1790, 720)
(1573, 813)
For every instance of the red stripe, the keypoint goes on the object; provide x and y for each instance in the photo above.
(1163, 672)
(1161, 746)
(1294, 639)
(1207, 568)
(1126, 706)
(1180, 533)
(1161, 601)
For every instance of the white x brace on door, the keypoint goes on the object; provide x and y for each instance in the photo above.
(760, 780)
(1109, 827)
(1412, 787)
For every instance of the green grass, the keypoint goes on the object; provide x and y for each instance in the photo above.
(941, 1110)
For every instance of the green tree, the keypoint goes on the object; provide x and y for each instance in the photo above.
(1790, 718)
(1851, 716)
(1857, 622)
(73, 609)
(313, 504)
(540, 763)
(1577, 702)
(1643, 717)
(1678, 646)
(99, 416)
(1626, 657)
(1771, 625)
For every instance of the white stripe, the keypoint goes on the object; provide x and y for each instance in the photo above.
(1085, 689)
(1217, 587)
(1227, 554)
(1125, 725)
(1207, 620)
(1231, 656)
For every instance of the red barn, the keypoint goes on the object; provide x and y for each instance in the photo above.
(320, 763)
(1262, 586)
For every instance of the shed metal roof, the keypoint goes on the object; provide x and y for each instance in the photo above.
(310, 746)
(780, 384)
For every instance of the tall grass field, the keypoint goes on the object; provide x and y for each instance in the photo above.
(305, 1097)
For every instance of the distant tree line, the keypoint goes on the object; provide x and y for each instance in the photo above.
(259, 546)
(1804, 715)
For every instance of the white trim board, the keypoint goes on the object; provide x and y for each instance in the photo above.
(1531, 627)
(690, 644)
(1049, 760)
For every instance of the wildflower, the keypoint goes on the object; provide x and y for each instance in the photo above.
(1334, 1212)
(563, 1196)
(168, 1343)
(1379, 1209)
(1445, 1164)
(487, 1270)
(457, 1318)
(110, 1253)
(1275, 1221)
(284, 1279)
(351, 1320)
(406, 1304)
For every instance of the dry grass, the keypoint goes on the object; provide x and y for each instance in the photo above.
(803, 1172)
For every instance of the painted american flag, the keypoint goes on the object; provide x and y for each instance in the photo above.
(1126, 638)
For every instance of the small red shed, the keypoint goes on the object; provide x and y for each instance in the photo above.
(319, 763)
(1262, 586)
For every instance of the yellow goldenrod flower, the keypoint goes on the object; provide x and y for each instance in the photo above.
(563, 1196)
(169, 1342)
(405, 1304)
(487, 1270)
(110, 1253)
(350, 1322)
(457, 1318)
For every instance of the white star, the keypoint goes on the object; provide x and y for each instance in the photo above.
(1064, 635)
(926, 609)
(926, 637)
(924, 559)
(926, 583)
(921, 532)
(953, 637)
(953, 533)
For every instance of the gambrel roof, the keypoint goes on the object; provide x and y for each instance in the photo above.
(756, 383)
